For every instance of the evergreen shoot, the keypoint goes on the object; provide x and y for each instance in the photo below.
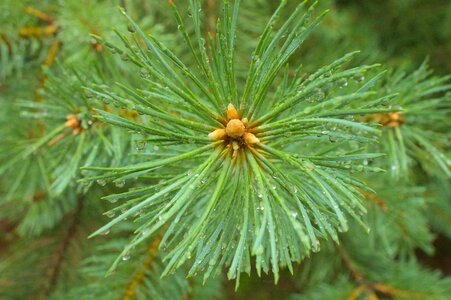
(161, 149)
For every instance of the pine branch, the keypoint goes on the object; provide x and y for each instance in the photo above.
(234, 155)
(258, 152)
(416, 135)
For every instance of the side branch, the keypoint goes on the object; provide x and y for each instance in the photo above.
(57, 259)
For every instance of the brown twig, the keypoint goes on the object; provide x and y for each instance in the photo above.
(363, 285)
(94, 43)
(130, 290)
(39, 14)
(373, 288)
(379, 201)
(356, 275)
(38, 31)
(51, 277)
(51, 29)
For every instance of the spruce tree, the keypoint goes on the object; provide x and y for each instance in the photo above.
(223, 150)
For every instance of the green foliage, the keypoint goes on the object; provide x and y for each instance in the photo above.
(221, 137)
(137, 278)
(249, 188)
(397, 30)
(425, 102)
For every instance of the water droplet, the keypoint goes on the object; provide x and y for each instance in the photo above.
(259, 250)
(316, 246)
(120, 183)
(101, 182)
(106, 232)
(359, 78)
(140, 145)
(318, 95)
(294, 214)
(332, 138)
(131, 28)
(343, 83)
(88, 94)
(163, 247)
(110, 214)
(104, 100)
(309, 166)
(126, 257)
(144, 73)
(256, 59)
(260, 195)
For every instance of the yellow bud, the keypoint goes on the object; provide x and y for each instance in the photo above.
(232, 113)
(235, 128)
(218, 134)
(250, 138)
(72, 121)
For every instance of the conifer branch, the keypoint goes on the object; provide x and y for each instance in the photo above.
(245, 143)
(217, 152)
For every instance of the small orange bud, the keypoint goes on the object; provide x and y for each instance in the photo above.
(232, 113)
(391, 119)
(72, 122)
(218, 134)
(250, 138)
(235, 128)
